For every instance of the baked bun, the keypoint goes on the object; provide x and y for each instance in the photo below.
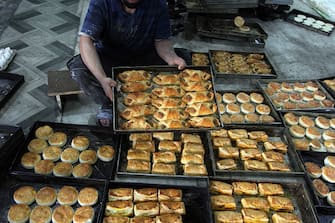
(62, 169)
(266, 119)
(122, 208)
(251, 215)
(330, 145)
(29, 160)
(291, 119)
(330, 161)
(328, 135)
(67, 195)
(88, 196)
(44, 167)
(233, 108)
(242, 97)
(297, 131)
(62, 214)
(328, 174)
(142, 219)
(46, 196)
(223, 202)
(321, 188)
(37, 145)
(268, 189)
(237, 118)
(52, 153)
(252, 118)
(331, 198)
(88, 156)
(228, 216)
(263, 109)
(115, 219)
(301, 144)
(167, 218)
(286, 87)
(306, 121)
(218, 187)
(256, 98)
(40, 214)
(18, 213)
(316, 145)
(43, 132)
(313, 133)
(332, 123)
(163, 135)
(313, 170)
(57, 139)
(170, 194)
(322, 122)
(228, 98)
(145, 194)
(247, 108)
(83, 215)
(298, 86)
(106, 153)
(80, 143)
(24, 195)
(284, 217)
(69, 155)
(82, 170)
(120, 194)
(226, 164)
(149, 208)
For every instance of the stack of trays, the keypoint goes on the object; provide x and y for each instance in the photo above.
(164, 98)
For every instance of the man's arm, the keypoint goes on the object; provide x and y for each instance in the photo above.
(91, 59)
(165, 51)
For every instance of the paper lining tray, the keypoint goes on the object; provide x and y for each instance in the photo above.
(275, 134)
(317, 158)
(125, 145)
(9, 83)
(101, 171)
(262, 84)
(325, 215)
(294, 189)
(8, 188)
(155, 70)
(273, 113)
(292, 18)
(328, 88)
(195, 199)
(254, 74)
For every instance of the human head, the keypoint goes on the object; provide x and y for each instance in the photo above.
(132, 4)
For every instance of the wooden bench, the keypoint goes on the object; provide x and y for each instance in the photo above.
(60, 83)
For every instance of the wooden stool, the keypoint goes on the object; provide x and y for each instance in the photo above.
(60, 83)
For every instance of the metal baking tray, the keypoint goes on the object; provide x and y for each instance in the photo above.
(275, 134)
(196, 200)
(292, 14)
(8, 188)
(266, 59)
(102, 171)
(294, 189)
(125, 145)
(325, 215)
(154, 70)
(262, 84)
(273, 113)
(331, 91)
(309, 114)
(9, 84)
(317, 158)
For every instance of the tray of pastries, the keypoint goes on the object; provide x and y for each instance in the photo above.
(329, 84)
(260, 201)
(9, 83)
(152, 203)
(164, 98)
(311, 131)
(246, 107)
(258, 150)
(200, 59)
(164, 154)
(28, 201)
(297, 95)
(67, 151)
(310, 22)
(243, 64)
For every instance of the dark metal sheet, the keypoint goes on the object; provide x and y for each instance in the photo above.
(9, 84)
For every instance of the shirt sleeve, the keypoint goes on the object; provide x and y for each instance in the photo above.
(93, 23)
(163, 30)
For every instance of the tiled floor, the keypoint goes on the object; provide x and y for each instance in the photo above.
(44, 33)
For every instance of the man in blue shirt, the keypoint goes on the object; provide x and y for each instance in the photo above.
(120, 33)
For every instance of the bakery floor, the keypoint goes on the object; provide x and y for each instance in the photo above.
(44, 33)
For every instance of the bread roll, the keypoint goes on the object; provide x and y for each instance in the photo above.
(306, 121)
(297, 131)
(70, 155)
(256, 98)
(328, 174)
(106, 153)
(80, 142)
(145, 194)
(331, 198)
(44, 167)
(67, 195)
(62, 169)
(46, 196)
(40, 214)
(321, 188)
(88, 156)
(313, 169)
(82, 170)
(247, 108)
(328, 135)
(18, 213)
(57, 139)
(233, 108)
(62, 214)
(88, 196)
(313, 133)
(24, 195)
(37, 145)
(263, 109)
(83, 215)
(29, 160)
(322, 122)
(267, 189)
(43, 132)
(52, 153)
(242, 97)
(119, 208)
(122, 194)
(228, 98)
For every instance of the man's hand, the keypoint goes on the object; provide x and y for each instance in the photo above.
(178, 61)
(107, 83)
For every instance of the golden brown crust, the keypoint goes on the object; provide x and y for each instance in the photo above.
(70, 155)
(223, 202)
(169, 218)
(57, 139)
(171, 124)
(172, 207)
(139, 166)
(144, 145)
(88, 196)
(221, 142)
(80, 142)
(255, 165)
(168, 145)
(46, 196)
(196, 86)
(137, 98)
(162, 136)
(226, 164)
(134, 154)
(168, 103)
(164, 157)
(245, 188)
(219, 133)
(132, 87)
(200, 109)
(18, 213)
(328, 174)
(228, 217)
(62, 214)
(187, 137)
(246, 143)
(52, 153)
(255, 203)
(170, 194)
(279, 203)
(271, 156)
(198, 97)
(235, 134)
(313, 169)
(137, 111)
(191, 158)
(37, 145)
(278, 166)
(195, 75)
(229, 152)
(24, 195)
(83, 214)
(67, 195)
(88, 156)
(168, 91)
(163, 168)
(253, 216)
(266, 189)
(43, 132)
(259, 136)
(321, 188)
(29, 160)
(166, 79)
(119, 208)
(170, 114)
(218, 187)
(122, 193)
(204, 122)
(283, 217)
(82, 170)
(195, 170)
(40, 214)
(251, 154)
(140, 137)
(116, 219)
(191, 147)
(62, 169)
(145, 194)
(44, 167)
(106, 153)
(137, 123)
(134, 75)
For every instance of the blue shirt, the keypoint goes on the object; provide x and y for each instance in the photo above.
(117, 33)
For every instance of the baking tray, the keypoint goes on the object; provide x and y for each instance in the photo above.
(262, 84)
(275, 134)
(273, 113)
(325, 215)
(11, 184)
(294, 189)
(292, 14)
(102, 171)
(266, 59)
(317, 158)
(9, 84)
(328, 88)
(125, 145)
(118, 96)
(309, 114)
(195, 199)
